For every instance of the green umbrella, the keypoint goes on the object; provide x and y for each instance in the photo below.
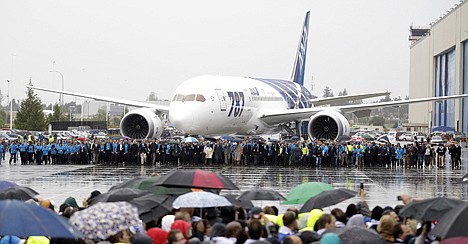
(301, 193)
(146, 183)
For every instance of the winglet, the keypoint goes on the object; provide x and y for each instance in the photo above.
(297, 74)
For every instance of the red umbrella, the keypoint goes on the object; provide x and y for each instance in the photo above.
(196, 178)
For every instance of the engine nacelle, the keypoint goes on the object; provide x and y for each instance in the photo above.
(141, 123)
(329, 124)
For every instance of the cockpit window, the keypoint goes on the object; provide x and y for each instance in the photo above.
(200, 98)
(189, 98)
(179, 97)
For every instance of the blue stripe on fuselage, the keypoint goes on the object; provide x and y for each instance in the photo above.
(288, 90)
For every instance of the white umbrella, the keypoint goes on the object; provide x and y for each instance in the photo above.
(189, 139)
(200, 199)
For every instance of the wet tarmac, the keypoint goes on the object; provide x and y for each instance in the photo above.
(383, 185)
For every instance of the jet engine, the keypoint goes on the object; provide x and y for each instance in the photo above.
(329, 124)
(141, 123)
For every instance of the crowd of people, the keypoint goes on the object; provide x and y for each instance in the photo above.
(308, 153)
(234, 224)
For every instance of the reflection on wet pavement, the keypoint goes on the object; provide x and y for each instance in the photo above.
(58, 182)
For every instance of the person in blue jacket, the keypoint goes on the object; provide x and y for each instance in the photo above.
(13, 150)
(2, 151)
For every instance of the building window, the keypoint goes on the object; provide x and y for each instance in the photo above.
(444, 86)
(465, 88)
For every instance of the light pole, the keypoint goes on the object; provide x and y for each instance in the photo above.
(61, 94)
(11, 104)
(8, 99)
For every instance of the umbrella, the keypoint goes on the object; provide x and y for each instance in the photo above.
(6, 184)
(196, 178)
(27, 219)
(22, 193)
(359, 235)
(327, 198)
(227, 137)
(301, 193)
(122, 194)
(273, 140)
(386, 139)
(200, 200)
(233, 198)
(429, 209)
(260, 194)
(294, 138)
(453, 223)
(465, 178)
(146, 183)
(151, 206)
(455, 240)
(105, 219)
(189, 139)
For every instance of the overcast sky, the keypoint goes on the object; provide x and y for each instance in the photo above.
(127, 49)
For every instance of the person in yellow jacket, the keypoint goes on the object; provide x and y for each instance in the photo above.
(305, 154)
(349, 154)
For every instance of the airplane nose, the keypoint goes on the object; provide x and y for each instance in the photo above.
(181, 118)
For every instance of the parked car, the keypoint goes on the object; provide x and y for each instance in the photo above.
(10, 137)
(436, 140)
(406, 137)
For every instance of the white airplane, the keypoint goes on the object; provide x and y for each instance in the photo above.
(218, 105)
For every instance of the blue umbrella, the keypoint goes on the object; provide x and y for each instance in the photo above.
(227, 137)
(189, 139)
(26, 219)
(6, 184)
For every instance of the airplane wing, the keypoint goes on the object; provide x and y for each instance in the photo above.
(329, 100)
(160, 108)
(287, 115)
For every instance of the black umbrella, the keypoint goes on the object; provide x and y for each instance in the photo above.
(22, 193)
(359, 235)
(233, 198)
(151, 206)
(261, 195)
(454, 223)
(429, 209)
(146, 183)
(122, 194)
(327, 198)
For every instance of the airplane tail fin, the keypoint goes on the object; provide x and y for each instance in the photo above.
(297, 74)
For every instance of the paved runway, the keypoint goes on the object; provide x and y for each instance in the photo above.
(57, 182)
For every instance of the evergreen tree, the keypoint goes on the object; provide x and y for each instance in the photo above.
(345, 92)
(30, 115)
(377, 120)
(327, 92)
(58, 114)
(152, 97)
(100, 115)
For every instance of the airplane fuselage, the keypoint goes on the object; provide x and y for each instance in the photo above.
(216, 105)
